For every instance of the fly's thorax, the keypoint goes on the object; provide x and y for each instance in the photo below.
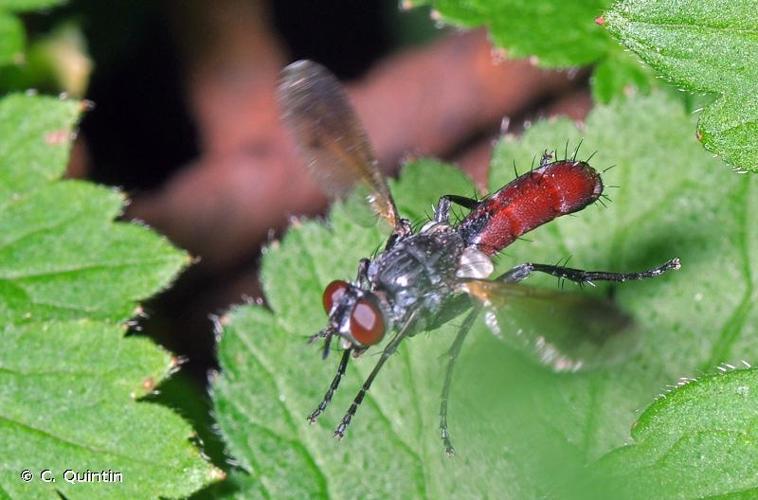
(418, 271)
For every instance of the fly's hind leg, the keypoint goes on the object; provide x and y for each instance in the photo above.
(522, 271)
(452, 356)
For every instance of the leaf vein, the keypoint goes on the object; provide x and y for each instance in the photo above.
(149, 263)
(288, 412)
(731, 330)
(97, 451)
(294, 444)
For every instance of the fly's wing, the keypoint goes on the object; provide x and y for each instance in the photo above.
(566, 331)
(328, 132)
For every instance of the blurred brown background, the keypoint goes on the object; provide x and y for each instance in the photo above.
(186, 121)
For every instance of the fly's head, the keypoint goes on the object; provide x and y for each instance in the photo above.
(359, 317)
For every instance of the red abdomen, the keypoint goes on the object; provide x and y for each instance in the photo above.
(537, 197)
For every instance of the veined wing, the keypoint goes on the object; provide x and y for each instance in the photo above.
(566, 331)
(330, 135)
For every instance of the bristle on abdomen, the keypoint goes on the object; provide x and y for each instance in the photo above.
(532, 199)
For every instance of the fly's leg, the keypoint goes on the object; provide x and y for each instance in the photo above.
(442, 210)
(332, 387)
(523, 271)
(452, 356)
(362, 277)
(388, 351)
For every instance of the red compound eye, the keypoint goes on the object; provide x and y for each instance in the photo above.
(332, 294)
(367, 322)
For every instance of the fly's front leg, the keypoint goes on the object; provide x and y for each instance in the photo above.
(362, 277)
(332, 387)
(582, 277)
(452, 356)
(442, 210)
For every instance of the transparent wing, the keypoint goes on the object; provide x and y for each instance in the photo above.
(330, 136)
(566, 331)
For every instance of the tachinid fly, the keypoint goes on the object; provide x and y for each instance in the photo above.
(423, 278)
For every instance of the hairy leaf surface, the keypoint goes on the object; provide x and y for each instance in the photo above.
(708, 47)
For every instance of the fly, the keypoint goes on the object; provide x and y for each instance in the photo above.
(423, 278)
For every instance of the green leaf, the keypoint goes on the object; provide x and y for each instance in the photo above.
(79, 281)
(558, 34)
(27, 5)
(703, 46)
(12, 35)
(696, 441)
(189, 397)
(40, 278)
(12, 38)
(67, 394)
(520, 430)
(35, 138)
(69, 278)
